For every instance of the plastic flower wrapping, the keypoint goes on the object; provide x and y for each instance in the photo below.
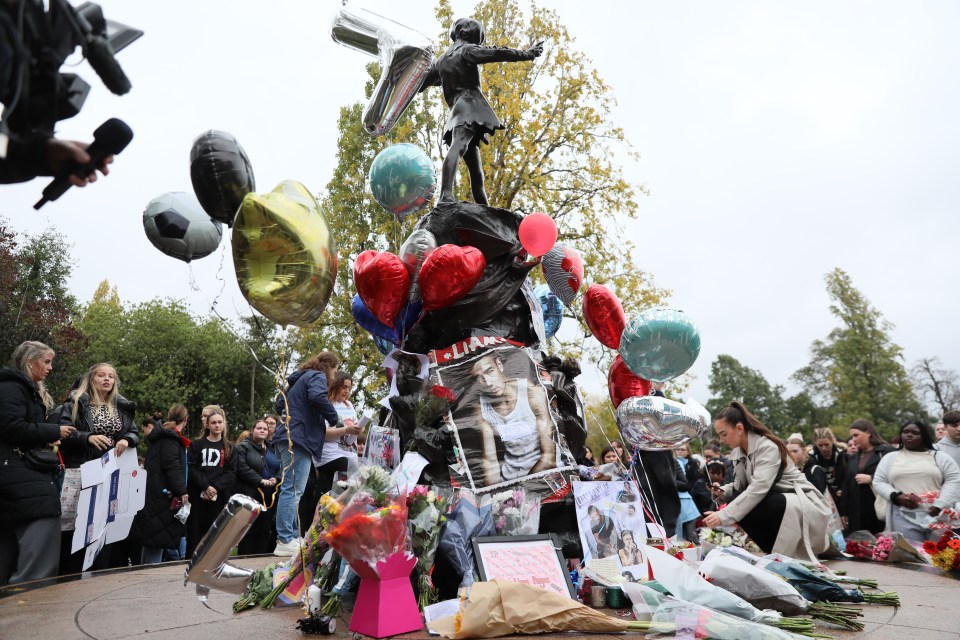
(373, 525)
(515, 513)
(888, 546)
(434, 403)
(947, 519)
(727, 537)
(425, 511)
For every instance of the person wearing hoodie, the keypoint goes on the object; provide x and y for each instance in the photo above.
(300, 437)
(104, 419)
(29, 493)
(827, 455)
(212, 471)
(157, 524)
(950, 442)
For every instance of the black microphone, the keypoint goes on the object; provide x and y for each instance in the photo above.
(110, 138)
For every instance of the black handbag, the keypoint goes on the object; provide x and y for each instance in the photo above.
(41, 459)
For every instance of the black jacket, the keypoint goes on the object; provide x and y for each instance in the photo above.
(853, 500)
(658, 472)
(250, 461)
(816, 475)
(25, 494)
(76, 449)
(166, 465)
(835, 467)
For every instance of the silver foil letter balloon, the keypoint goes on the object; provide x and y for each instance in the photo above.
(208, 568)
(405, 56)
(653, 423)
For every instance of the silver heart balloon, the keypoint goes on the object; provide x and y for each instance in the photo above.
(413, 252)
(653, 423)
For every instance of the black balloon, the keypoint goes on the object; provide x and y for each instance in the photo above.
(221, 174)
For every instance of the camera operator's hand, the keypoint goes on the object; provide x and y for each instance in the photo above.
(63, 153)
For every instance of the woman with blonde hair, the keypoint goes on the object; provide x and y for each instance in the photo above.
(29, 469)
(769, 498)
(104, 419)
(166, 464)
(212, 474)
(798, 452)
(828, 456)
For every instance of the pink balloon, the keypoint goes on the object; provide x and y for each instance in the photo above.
(538, 234)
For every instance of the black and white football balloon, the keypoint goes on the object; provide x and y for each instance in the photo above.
(177, 225)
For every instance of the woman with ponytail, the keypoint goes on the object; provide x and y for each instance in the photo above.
(770, 498)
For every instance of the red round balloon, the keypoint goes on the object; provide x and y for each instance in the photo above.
(382, 282)
(624, 384)
(448, 274)
(538, 234)
(604, 315)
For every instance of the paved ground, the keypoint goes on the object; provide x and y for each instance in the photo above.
(154, 603)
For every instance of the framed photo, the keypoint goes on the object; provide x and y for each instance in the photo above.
(534, 560)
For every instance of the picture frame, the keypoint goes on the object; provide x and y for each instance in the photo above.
(536, 560)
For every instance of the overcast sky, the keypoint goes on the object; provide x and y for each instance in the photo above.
(778, 141)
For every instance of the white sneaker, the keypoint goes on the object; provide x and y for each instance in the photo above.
(287, 549)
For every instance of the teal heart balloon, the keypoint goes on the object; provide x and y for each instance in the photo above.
(402, 179)
(660, 344)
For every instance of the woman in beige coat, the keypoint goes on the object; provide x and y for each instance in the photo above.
(770, 498)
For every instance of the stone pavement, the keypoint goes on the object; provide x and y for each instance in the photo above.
(154, 603)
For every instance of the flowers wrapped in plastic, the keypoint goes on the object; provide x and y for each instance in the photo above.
(763, 589)
(425, 510)
(467, 520)
(684, 583)
(371, 535)
(660, 614)
(812, 586)
(884, 547)
(434, 403)
(515, 513)
(727, 537)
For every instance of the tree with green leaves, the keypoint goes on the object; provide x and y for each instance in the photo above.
(35, 303)
(163, 354)
(858, 371)
(558, 152)
(730, 380)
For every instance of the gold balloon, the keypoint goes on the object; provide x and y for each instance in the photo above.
(284, 254)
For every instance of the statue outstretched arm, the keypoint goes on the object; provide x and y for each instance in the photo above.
(476, 54)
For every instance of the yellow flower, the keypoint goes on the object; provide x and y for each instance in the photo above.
(330, 505)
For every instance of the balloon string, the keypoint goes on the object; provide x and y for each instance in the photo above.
(285, 416)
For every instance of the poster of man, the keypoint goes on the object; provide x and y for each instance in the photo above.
(611, 523)
(501, 420)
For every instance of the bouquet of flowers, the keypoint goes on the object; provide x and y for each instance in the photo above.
(292, 584)
(659, 614)
(839, 575)
(515, 513)
(434, 403)
(814, 587)
(945, 552)
(947, 519)
(727, 537)
(425, 509)
(885, 547)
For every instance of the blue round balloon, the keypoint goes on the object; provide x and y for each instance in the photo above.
(660, 345)
(552, 309)
(403, 179)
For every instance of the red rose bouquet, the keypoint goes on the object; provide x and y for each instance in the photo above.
(434, 403)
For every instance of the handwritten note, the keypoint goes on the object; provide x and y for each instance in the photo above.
(440, 610)
(532, 562)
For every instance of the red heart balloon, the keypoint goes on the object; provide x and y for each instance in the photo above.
(604, 315)
(449, 274)
(382, 283)
(624, 384)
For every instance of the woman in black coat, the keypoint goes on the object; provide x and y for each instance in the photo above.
(166, 465)
(858, 490)
(29, 496)
(257, 471)
(104, 419)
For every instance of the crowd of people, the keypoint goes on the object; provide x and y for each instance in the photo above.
(782, 493)
(188, 480)
(786, 493)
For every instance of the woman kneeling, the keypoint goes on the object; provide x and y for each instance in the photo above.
(769, 498)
